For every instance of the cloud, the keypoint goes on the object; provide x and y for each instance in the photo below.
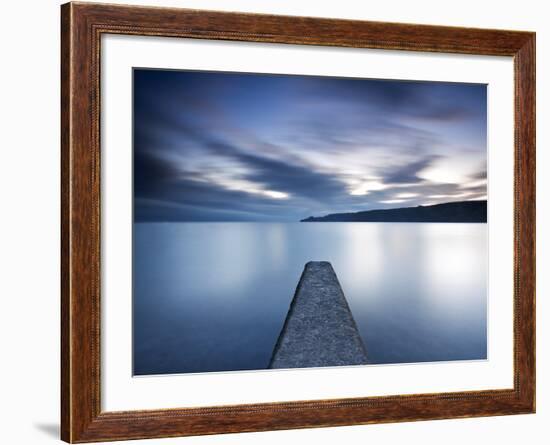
(233, 147)
(408, 173)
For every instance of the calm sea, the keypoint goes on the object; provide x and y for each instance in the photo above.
(214, 296)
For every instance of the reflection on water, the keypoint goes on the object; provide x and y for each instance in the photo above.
(214, 296)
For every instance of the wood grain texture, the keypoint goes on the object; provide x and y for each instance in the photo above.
(82, 26)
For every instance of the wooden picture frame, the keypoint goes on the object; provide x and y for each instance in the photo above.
(82, 25)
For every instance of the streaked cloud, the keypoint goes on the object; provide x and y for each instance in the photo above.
(234, 147)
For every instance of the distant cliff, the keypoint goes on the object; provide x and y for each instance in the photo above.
(452, 212)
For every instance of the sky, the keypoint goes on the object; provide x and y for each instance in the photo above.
(213, 146)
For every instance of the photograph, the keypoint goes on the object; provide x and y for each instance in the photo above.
(293, 221)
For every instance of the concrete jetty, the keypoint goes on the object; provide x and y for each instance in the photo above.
(319, 329)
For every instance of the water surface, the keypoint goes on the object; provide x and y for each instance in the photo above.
(214, 296)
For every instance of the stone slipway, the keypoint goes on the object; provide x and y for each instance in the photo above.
(319, 329)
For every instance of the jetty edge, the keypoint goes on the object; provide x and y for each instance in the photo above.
(319, 329)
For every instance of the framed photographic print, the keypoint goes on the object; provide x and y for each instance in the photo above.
(275, 222)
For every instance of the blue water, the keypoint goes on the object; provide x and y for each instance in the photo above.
(214, 296)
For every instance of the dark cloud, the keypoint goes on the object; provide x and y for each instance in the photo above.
(151, 173)
(289, 177)
(435, 101)
(408, 173)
